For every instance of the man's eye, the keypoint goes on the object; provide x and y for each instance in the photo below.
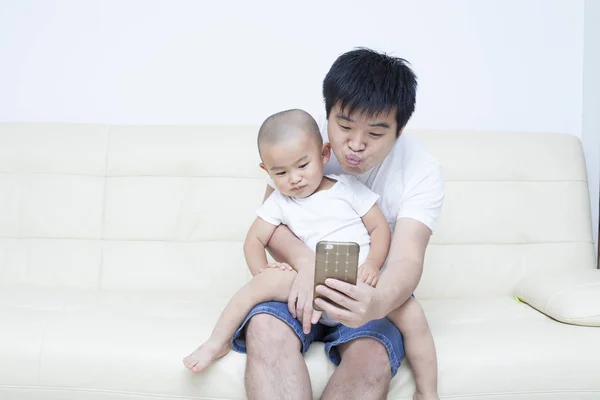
(282, 173)
(304, 165)
(344, 127)
(376, 135)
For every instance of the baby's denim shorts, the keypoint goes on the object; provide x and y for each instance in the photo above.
(382, 330)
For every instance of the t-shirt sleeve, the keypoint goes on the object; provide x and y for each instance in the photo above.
(423, 200)
(271, 210)
(363, 198)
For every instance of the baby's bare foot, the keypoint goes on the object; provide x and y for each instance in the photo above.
(421, 396)
(204, 355)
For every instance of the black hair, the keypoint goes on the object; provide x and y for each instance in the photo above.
(367, 81)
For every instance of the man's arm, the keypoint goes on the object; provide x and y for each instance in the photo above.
(404, 265)
(416, 217)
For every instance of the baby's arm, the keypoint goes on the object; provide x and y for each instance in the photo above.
(257, 238)
(380, 234)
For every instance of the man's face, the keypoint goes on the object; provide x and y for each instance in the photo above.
(360, 142)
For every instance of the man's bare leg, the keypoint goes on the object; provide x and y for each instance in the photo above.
(363, 374)
(419, 347)
(275, 368)
(270, 285)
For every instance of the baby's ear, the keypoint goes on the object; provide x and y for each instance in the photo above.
(262, 166)
(326, 152)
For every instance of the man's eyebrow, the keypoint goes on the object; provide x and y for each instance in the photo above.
(344, 117)
(378, 124)
(297, 161)
(381, 124)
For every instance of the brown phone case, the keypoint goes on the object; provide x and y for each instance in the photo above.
(338, 260)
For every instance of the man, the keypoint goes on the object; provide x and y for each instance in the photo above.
(369, 98)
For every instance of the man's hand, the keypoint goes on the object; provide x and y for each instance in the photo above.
(301, 298)
(362, 302)
(369, 274)
(280, 265)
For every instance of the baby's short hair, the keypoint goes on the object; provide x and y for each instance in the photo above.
(286, 124)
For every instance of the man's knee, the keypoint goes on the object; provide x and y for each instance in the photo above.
(369, 355)
(265, 332)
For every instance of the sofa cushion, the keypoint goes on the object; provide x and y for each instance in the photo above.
(102, 345)
(572, 297)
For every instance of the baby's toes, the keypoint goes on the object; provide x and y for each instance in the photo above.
(191, 360)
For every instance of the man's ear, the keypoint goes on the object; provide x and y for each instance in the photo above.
(326, 152)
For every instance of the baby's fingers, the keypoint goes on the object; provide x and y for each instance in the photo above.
(279, 265)
(361, 274)
(286, 267)
(375, 280)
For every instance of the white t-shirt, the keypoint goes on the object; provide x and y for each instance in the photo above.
(333, 214)
(409, 181)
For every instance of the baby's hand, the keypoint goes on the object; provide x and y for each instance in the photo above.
(369, 274)
(281, 266)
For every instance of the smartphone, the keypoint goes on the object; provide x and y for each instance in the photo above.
(338, 260)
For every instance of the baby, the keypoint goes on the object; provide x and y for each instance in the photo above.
(314, 207)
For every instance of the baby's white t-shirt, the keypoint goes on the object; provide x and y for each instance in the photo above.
(332, 214)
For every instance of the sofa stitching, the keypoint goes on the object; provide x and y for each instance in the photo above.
(39, 364)
(474, 395)
(103, 220)
(582, 318)
(262, 179)
(208, 240)
(125, 392)
(554, 297)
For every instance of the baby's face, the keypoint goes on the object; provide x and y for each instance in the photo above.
(295, 165)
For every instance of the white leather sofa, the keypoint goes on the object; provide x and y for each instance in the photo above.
(119, 245)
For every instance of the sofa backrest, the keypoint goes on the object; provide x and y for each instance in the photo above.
(515, 203)
(150, 208)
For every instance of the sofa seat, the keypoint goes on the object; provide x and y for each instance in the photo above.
(71, 344)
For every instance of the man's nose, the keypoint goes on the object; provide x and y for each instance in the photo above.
(356, 143)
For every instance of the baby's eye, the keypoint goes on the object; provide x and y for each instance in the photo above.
(282, 173)
(304, 165)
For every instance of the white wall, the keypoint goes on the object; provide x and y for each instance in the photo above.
(492, 65)
(591, 104)
(495, 65)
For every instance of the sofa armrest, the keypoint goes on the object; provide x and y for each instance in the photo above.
(572, 297)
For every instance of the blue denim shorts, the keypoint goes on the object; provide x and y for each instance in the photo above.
(382, 330)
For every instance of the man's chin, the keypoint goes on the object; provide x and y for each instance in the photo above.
(352, 170)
